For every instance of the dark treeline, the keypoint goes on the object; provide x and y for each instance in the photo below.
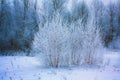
(20, 19)
(18, 23)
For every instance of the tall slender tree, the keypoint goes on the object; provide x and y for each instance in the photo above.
(80, 11)
(118, 17)
(111, 31)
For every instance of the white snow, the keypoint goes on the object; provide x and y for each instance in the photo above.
(29, 68)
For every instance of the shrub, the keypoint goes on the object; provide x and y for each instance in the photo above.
(61, 44)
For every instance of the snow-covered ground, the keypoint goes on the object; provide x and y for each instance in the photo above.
(29, 68)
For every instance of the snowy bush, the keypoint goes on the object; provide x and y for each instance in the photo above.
(61, 44)
(85, 41)
(75, 42)
(91, 43)
(53, 41)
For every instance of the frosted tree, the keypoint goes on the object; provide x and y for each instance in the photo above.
(35, 17)
(58, 5)
(52, 41)
(118, 17)
(99, 14)
(6, 20)
(51, 8)
(18, 23)
(80, 11)
(111, 28)
(18, 13)
(98, 8)
(46, 11)
(91, 43)
(61, 45)
(76, 30)
(26, 23)
(30, 22)
(84, 43)
(67, 16)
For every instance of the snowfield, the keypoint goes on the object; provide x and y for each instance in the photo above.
(29, 68)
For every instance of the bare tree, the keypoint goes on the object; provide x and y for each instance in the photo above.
(1, 9)
(36, 21)
(80, 11)
(111, 14)
(118, 16)
(58, 5)
(6, 19)
(98, 12)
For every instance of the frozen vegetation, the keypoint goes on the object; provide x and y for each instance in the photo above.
(65, 45)
(59, 40)
(20, 20)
